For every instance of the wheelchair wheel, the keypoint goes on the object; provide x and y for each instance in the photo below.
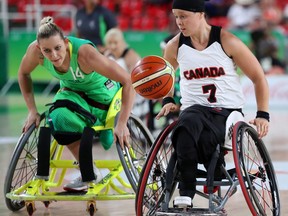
(23, 165)
(255, 171)
(153, 190)
(133, 159)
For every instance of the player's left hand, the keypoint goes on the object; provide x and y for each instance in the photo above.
(122, 134)
(262, 126)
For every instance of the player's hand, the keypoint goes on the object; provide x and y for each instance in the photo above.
(166, 109)
(122, 134)
(33, 117)
(262, 126)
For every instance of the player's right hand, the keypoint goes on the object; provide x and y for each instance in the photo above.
(31, 119)
(166, 109)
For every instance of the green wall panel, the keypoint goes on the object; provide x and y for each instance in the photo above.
(145, 43)
(3, 56)
(18, 43)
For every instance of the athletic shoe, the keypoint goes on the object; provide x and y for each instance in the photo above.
(182, 202)
(78, 185)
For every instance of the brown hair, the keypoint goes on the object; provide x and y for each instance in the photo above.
(48, 28)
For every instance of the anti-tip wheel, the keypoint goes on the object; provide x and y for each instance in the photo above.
(91, 207)
(46, 203)
(30, 207)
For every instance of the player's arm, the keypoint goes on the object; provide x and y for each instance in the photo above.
(29, 62)
(250, 66)
(170, 54)
(91, 60)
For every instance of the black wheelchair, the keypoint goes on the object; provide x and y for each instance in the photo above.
(252, 169)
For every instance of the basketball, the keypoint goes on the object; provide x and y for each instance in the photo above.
(153, 77)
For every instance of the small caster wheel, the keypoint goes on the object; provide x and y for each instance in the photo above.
(30, 207)
(91, 207)
(46, 203)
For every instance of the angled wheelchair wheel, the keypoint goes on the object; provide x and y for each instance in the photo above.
(133, 159)
(154, 191)
(23, 165)
(255, 171)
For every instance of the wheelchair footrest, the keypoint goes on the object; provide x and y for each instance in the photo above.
(189, 212)
(68, 196)
(65, 193)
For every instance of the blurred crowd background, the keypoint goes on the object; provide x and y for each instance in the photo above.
(264, 23)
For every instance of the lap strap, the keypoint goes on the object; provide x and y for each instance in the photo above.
(74, 107)
(90, 101)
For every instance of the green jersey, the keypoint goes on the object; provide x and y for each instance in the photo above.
(96, 86)
(67, 125)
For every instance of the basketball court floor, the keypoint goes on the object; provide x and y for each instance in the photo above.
(12, 116)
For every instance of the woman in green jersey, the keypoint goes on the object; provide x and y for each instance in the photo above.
(88, 82)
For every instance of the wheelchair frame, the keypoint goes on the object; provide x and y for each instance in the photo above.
(253, 171)
(23, 189)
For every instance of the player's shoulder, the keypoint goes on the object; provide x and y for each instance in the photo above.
(131, 53)
(33, 44)
(230, 41)
(174, 42)
(228, 37)
(33, 48)
(175, 39)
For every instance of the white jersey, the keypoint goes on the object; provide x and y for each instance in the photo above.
(121, 61)
(208, 77)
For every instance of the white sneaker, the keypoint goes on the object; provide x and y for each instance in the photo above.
(182, 202)
(78, 185)
(98, 174)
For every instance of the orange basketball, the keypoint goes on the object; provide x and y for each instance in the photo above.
(153, 77)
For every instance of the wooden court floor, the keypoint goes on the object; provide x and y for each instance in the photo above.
(11, 122)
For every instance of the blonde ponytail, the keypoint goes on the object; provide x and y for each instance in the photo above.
(46, 20)
(48, 28)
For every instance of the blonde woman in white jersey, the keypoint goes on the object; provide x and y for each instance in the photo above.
(210, 88)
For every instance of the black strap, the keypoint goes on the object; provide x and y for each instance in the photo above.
(263, 114)
(125, 52)
(43, 153)
(74, 107)
(85, 155)
(90, 101)
(167, 100)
